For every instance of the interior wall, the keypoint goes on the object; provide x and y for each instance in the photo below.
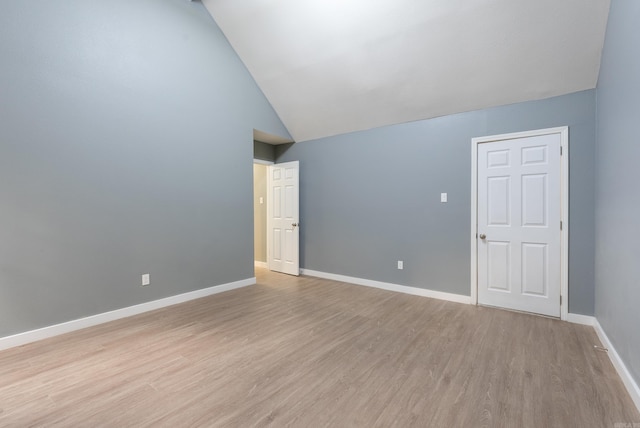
(260, 212)
(264, 151)
(617, 218)
(371, 198)
(126, 132)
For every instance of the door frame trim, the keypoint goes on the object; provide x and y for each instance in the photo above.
(563, 131)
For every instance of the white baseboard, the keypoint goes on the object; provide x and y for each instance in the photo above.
(581, 319)
(458, 298)
(627, 379)
(67, 327)
(263, 265)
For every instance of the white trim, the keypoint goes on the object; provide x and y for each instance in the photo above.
(627, 379)
(67, 327)
(263, 265)
(263, 162)
(458, 298)
(474, 222)
(564, 208)
(581, 319)
(564, 215)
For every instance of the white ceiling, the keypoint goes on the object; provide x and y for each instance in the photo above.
(335, 66)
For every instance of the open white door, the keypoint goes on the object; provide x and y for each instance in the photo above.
(519, 223)
(283, 225)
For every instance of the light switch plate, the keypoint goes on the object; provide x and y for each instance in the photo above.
(443, 197)
(146, 280)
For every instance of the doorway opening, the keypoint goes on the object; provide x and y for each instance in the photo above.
(275, 206)
(260, 213)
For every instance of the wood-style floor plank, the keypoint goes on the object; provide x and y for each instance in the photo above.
(307, 352)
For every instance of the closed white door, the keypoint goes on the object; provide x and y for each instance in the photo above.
(519, 230)
(283, 236)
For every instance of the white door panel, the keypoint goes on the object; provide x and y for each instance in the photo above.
(518, 216)
(283, 222)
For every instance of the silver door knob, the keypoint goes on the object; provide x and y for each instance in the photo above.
(483, 236)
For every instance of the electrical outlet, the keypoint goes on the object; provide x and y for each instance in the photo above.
(146, 279)
(400, 264)
(443, 197)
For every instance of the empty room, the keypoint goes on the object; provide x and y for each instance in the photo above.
(319, 213)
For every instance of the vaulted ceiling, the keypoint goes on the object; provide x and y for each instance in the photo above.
(335, 66)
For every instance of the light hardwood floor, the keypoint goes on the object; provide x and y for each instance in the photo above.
(306, 352)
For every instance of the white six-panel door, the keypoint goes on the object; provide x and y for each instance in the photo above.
(518, 224)
(283, 226)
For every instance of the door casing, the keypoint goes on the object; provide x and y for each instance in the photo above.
(564, 208)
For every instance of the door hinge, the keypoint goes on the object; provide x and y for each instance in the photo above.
(560, 150)
(560, 224)
(560, 300)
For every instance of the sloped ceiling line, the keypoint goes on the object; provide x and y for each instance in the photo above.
(334, 66)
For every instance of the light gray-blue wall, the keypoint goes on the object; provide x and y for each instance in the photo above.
(371, 198)
(617, 261)
(126, 147)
